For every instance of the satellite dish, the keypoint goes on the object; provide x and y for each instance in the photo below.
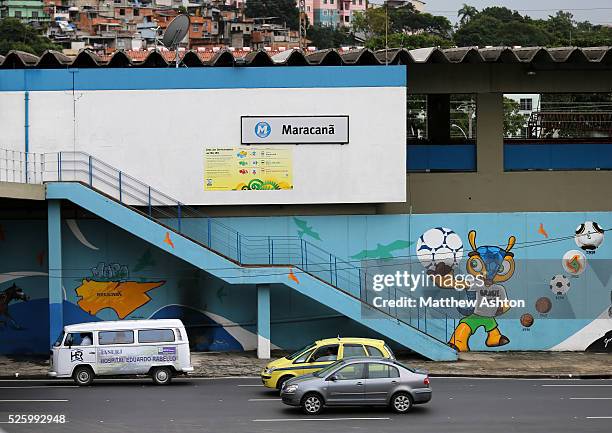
(176, 31)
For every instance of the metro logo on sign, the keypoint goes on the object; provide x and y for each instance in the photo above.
(262, 129)
(295, 130)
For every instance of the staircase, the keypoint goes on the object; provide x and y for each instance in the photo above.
(234, 257)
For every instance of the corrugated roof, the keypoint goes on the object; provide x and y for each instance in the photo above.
(295, 57)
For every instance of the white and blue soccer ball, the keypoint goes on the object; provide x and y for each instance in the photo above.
(439, 245)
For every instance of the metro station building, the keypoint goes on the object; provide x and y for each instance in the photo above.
(254, 197)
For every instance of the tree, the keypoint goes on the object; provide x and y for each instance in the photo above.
(466, 13)
(328, 37)
(15, 35)
(286, 11)
(403, 26)
(501, 26)
(514, 121)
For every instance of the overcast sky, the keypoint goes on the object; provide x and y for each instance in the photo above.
(600, 11)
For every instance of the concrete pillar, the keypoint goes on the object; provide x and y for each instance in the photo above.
(438, 118)
(263, 322)
(56, 292)
(490, 133)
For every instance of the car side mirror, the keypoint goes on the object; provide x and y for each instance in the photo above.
(333, 378)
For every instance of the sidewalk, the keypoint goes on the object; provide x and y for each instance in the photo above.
(473, 364)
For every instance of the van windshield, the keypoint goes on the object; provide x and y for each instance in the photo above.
(59, 340)
(302, 350)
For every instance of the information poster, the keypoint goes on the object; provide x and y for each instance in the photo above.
(251, 168)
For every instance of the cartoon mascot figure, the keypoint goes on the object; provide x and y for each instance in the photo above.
(491, 265)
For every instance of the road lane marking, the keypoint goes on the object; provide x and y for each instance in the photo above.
(265, 399)
(38, 386)
(34, 401)
(590, 398)
(599, 417)
(571, 384)
(323, 419)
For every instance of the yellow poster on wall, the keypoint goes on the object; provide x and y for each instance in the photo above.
(248, 168)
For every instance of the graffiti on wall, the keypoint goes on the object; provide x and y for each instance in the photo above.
(111, 288)
(13, 293)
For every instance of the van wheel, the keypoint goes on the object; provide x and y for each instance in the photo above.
(83, 375)
(161, 375)
(401, 402)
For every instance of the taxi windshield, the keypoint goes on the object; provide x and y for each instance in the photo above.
(299, 352)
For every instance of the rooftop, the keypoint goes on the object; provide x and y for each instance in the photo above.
(590, 56)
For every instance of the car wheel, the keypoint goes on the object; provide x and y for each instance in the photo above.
(281, 382)
(401, 402)
(83, 375)
(312, 404)
(161, 375)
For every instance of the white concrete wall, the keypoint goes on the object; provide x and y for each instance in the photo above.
(159, 136)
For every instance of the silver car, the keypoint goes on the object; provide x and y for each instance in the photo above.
(358, 382)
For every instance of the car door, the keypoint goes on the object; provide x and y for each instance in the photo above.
(346, 385)
(381, 380)
(321, 357)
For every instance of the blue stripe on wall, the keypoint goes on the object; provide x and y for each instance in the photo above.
(202, 78)
(441, 157)
(557, 156)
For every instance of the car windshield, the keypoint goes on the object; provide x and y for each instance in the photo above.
(327, 369)
(299, 352)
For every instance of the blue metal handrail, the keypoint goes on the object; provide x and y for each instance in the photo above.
(222, 239)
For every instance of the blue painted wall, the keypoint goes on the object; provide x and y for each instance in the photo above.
(222, 316)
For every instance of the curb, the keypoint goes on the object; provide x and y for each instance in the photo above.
(438, 375)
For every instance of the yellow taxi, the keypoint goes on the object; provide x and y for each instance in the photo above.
(319, 354)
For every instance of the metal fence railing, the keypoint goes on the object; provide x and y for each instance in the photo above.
(20, 167)
(210, 232)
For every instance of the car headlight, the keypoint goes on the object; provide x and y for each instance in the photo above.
(268, 370)
(290, 388)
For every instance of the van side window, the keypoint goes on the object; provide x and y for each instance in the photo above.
(116, 337)
(79, 339)
(155, 335)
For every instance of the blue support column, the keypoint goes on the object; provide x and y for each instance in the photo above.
(263, 321)
(56, 295)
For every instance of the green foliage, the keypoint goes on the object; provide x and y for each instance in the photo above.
(329, 37)
(514, 121)
(286, 11)
(15, 35)
(500, 26)
(410, 42)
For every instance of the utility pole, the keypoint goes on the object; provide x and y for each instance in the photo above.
(386, 32)
(302, 23)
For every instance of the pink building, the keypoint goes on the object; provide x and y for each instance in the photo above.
(333, 12)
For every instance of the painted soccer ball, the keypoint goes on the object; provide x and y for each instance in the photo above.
(439, 245)
(559, 284)
(574, 262)
(589, 235)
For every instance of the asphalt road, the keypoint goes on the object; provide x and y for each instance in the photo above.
(243, 405)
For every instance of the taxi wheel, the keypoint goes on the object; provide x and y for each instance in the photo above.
(161, 375)
(83, 375)
(281, 382)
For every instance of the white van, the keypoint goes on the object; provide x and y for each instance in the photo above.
(158, 348)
